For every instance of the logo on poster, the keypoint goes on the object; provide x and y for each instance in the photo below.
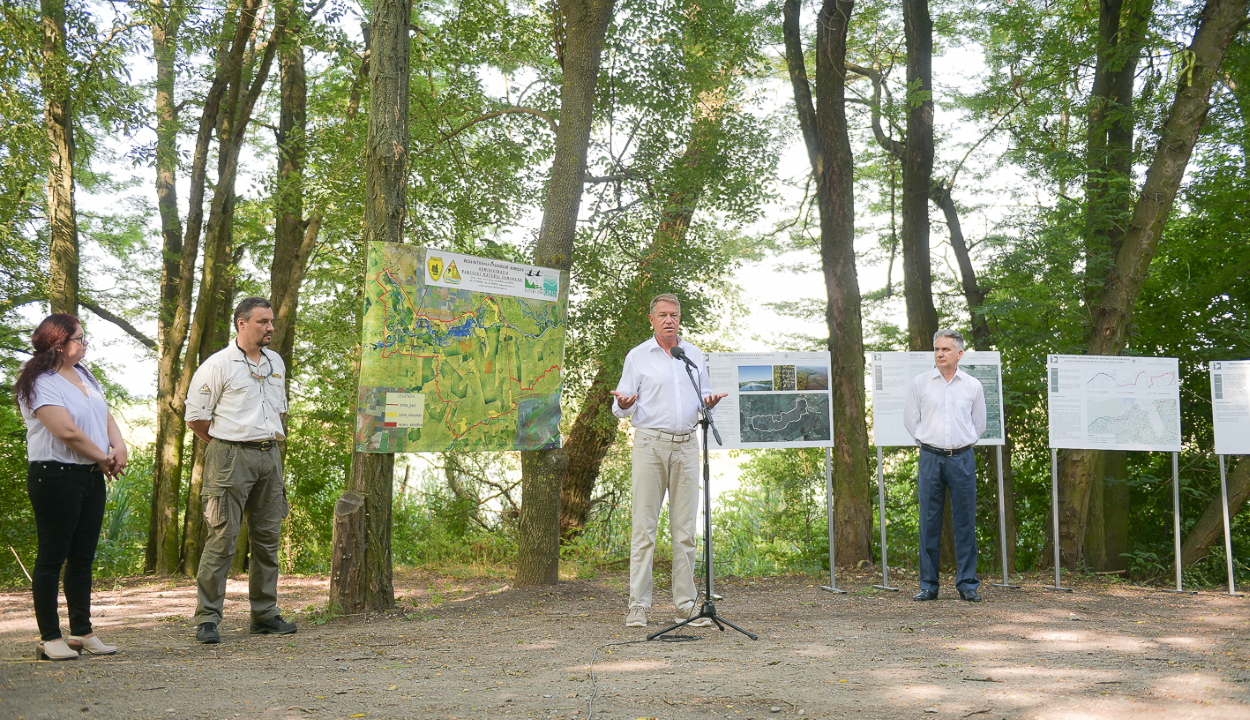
(435, 267)
(452, 275)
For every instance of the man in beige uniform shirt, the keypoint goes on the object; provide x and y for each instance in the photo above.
(236, 404)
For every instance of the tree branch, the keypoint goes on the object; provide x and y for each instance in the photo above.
(119, 322)
(551, 122)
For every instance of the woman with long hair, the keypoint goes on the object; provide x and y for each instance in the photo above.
(72, 443)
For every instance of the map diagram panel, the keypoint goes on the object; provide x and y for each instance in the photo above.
(1103, 402)
(459, 352)
(892, 374)
(782, 418)
(775, 400)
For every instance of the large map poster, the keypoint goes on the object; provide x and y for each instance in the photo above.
(892, 372)
(1102, 402)
(459, 353)
(776, 400)
(1230, 406)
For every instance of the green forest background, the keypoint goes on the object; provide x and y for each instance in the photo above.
(685, 184)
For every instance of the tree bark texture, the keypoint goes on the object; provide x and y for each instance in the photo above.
(826, 136)
(58, 116)
(227, 111)
(922, 319)
(1210, 526)
(542, 471)
(361, 572)
(1220, 21)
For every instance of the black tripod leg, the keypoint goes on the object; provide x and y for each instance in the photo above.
(720, 622)
(668, 630)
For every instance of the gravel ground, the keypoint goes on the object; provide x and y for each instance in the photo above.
(474, 648)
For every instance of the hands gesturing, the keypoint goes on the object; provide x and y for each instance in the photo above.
(624, 401)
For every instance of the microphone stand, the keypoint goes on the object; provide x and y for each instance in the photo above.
(708, 608)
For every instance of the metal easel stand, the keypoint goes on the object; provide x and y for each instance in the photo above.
(1002, 524)
(1054, 513)
(1176, 523)
(885, 564)
(833, 581)
(1228, 538)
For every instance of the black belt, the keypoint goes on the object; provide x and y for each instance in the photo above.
(944, 452)
(252, 444)
(54, 465)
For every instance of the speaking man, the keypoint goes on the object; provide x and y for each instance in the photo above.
(236, 404)
(945, 414)
(657, 395)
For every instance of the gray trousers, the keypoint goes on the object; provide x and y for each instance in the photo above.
(663, 466)
(238, 481)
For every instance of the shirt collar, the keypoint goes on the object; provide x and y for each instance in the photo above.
(936, 374)
(653, 344)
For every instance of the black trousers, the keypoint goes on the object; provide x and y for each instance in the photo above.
(69, 509)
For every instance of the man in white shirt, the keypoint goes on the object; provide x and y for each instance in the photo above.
(236, 404)
(657, 395)
(945, 414)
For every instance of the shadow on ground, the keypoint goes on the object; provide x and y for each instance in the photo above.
(474, 648)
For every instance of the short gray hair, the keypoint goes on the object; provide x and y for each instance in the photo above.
(665, 297)
(953, 335)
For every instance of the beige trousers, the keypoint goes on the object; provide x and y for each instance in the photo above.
(663, 465)
(240, 480)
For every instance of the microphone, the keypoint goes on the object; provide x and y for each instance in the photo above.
(681, 355)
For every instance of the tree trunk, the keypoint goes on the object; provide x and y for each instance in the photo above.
(59, 122)
(361, 573)
(1221, 21)
(542, 471)
(1210, 525)
(592, 434)
(826, 135)
(1115, 509)
(294, 237)
(234, 112)
(178, 270)
(922, 319)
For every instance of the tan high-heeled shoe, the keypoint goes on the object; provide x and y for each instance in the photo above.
(55, 650)
(91, 644)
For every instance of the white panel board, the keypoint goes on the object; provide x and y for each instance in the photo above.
(892, 372)
(1102, 402)
(776, 400)
(1230, 406)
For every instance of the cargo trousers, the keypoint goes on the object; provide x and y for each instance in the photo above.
(241, 482)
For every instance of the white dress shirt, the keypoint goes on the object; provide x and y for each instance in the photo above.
(241, 407)
(666, 398)
(944, 414)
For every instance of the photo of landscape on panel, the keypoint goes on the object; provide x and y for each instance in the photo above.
(774, 399)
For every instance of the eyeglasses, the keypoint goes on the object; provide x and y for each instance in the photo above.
(81, 340)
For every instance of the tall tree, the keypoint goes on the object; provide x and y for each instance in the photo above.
(360, 575)
(580, 29)
(226, 113)
(59, 122)
(1219, 22)
(922, 319)
(823, 124)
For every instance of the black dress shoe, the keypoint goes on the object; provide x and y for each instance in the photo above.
(970, 595)
(925, 595)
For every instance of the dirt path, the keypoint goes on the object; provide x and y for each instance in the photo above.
(475, 649)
